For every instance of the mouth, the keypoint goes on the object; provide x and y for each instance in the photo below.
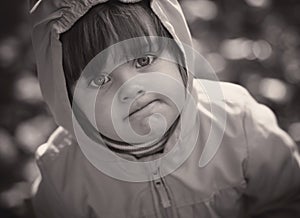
(139, 107)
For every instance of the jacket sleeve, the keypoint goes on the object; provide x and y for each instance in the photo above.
(272, 166)
(48, 200)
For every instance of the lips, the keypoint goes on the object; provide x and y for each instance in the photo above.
(139, 105)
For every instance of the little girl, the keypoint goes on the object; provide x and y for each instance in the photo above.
(139, 136)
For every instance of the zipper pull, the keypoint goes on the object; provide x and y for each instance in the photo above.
(163, 194)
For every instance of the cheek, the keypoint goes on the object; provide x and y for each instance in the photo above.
(103, 110)
(174, 70)
(104, 116)
(179, 74)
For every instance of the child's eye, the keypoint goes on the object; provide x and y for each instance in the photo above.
(144, 61)
(99, 81)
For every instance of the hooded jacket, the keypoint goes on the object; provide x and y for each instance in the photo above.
(231, 158)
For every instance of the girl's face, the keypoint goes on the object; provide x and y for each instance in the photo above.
(143, 96)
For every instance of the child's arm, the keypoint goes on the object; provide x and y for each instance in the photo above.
(47, 202)
(50, 200)
(272, 167)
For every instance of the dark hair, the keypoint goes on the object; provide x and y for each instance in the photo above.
(102, 26)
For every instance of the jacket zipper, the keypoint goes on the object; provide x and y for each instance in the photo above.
(164, 198)
(164, 204)
(163, 194)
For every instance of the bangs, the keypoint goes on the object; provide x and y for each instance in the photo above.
(123, 22)
(104, 25)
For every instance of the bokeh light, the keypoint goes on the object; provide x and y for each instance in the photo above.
(202, 9)
(259, 3)
(9, 51)
(261, 49)
(31, 133)
(236, 49)
(217, 61)
(274, 89)
(27, 89)
(242, 48)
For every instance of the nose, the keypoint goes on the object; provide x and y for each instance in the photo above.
(130, 91)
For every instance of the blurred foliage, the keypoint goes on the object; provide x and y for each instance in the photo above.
(254, 43)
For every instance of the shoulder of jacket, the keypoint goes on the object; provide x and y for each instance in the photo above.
(58, 141)
(212, 92)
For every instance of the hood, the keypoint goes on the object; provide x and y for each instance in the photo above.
(50, 18)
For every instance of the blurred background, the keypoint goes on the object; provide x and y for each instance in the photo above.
(254, 43)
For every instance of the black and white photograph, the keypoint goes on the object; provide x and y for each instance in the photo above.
(150, 109)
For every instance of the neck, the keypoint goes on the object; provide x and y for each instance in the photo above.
(142, 149)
